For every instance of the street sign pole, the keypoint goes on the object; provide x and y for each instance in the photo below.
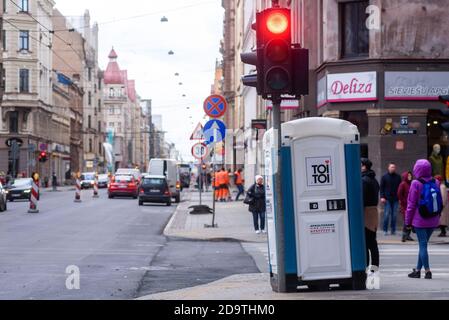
(214, 160)
(279, 216)
(200, 182)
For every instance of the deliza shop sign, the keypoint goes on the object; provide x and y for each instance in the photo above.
(346, 87)
(319, 171)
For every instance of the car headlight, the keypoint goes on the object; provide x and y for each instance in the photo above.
(92, 183)
(27, 191)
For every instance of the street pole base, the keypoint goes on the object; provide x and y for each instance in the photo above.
(210, 226)
(200, 209)
(33, 211)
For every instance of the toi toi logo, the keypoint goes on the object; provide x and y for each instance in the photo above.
(321, 173)
(73, 280)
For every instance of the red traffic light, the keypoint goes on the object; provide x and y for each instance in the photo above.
(43, 154)
(277, 22)
(444, 99)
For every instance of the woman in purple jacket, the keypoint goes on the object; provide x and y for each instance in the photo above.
(424, 227)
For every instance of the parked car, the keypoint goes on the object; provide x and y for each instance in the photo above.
(123, 186)
(3, 198)
(155, 189)
(87, 180)
(169, 169)
(103, 180)
(20, 189)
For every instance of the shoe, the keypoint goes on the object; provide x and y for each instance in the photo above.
(428, 275)
(410, 238)
(404, 238)
(264, 231)
(415, 274)
(258, 231)
(442, 235)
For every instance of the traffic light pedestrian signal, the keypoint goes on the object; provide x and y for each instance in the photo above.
(444, 99)
(282, 67)
(43, 156)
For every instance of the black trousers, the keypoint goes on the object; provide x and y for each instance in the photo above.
(256, 216)
(371, 247)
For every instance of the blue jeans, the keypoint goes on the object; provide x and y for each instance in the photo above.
(241, 191)
(256, 216)
(423, 235)
(391, 211)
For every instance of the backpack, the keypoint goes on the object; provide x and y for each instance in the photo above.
(431, 201)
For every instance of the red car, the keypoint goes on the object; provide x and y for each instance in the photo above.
(123, 186)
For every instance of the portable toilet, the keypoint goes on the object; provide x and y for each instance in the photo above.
(323, 204)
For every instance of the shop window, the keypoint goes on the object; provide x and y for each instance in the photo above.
(359, 119)
(354, 33)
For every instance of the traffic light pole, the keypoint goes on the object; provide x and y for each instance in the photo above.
(279, 212)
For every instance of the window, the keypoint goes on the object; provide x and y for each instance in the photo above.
(119, 127)
(89, 100)
(24, 79)
(111, 110)
(4, 5)
(24, 40)
(118, 110)
(111, 93)
(100, 148)
(3, 79)
(23, 5)
(99, 126)
(14, 122)
(90, 145)
(89, 122)
(111, 125)
(99, 105)
(89, 74)
(354, 33)
(4, 39)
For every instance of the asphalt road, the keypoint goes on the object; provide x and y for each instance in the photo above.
(117, 246)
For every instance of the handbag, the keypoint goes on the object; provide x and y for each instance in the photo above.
(249, 200)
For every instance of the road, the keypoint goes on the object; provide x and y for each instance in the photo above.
(117, 246)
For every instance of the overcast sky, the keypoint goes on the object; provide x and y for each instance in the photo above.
(193, 31)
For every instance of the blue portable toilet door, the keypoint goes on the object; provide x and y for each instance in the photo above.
(321, 208)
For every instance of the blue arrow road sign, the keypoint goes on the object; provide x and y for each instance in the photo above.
(214, 131)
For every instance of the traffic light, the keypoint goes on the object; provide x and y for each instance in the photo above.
(444, 99)
(43, 156)
(282, 67)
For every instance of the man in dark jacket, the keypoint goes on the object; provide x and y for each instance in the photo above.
(370, 202)
(389, 186)
(257, 207)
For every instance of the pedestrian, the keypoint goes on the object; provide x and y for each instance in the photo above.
(403, 192)
(370, 202)
(444, 219)
(257, 206)
(389, 186)
(221, 177)
(423, 212)
(208, 181)
(238, 180)
(54, 181)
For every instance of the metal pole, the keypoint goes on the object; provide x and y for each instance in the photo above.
(200, 182)
(213, 191)
(279, 212)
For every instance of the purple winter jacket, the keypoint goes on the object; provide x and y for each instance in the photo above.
(422, 170)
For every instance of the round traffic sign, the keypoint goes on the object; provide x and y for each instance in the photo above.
(200, 151)
(215, 106)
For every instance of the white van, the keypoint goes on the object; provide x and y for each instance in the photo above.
(169, 169)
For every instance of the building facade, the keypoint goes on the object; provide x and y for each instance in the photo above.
(379, 64)
(26, 112)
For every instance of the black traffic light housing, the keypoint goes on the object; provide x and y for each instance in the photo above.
(282, 67)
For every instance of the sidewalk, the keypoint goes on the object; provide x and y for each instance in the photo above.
(59, 189)
(235, 224)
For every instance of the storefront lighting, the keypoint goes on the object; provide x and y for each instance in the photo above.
(435, 122)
